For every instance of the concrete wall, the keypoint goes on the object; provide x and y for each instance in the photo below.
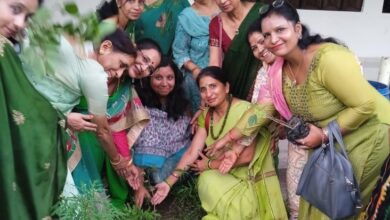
(367, 33)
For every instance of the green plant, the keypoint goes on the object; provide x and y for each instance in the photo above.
(44, 35)
(93, 204)
(186, 204)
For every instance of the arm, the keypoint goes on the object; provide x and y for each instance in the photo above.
(249, 124)
(340, 74)
(346, 82)
(188, 158)
(181, 51)
(238, 155)
(214, 45)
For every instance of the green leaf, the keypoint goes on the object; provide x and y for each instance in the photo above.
(71, 8)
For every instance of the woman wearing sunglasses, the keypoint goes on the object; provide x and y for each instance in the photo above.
(322, 81)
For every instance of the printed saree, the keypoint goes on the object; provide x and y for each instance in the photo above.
(32, 152)
(125, 113)
(238, 62)
(247, 192)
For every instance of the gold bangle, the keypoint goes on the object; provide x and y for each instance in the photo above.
(170, 186)
(209, 164)
(130, 162)
(116, 163)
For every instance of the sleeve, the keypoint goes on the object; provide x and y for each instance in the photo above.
(93, 84)
(181, 45)
(254, 119)
(213, 32)
(202, 118)
(342, 76)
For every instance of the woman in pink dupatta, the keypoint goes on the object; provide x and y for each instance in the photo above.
(267, 92)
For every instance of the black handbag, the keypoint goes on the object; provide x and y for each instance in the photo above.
(327, 181)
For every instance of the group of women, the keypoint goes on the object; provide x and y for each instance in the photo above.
(121, 112)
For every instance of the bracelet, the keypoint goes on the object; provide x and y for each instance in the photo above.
(209, 164)
(165, 181)
(130, 162)
(116, 163)
(325, 134)
(175, 175)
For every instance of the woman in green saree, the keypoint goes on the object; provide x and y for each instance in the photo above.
(240, 183)
(228, 44)
(32, 166)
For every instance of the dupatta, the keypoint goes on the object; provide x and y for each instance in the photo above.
(239, 63)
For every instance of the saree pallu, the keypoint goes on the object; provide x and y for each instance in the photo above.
(247, 192)
(239, 63)
(124, 112)
(250, 192)
(32, 152)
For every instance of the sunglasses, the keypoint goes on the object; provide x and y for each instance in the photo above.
(148, 62)
(275, 4)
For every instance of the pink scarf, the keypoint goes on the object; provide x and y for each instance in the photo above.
(275, 87)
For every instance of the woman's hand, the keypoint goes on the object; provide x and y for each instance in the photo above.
(200, 165)
(162, 190)
(229, 159)
(313, 139)
(133, 177)
(218, 145)
(140, 196)
(194, 121)
(80, 122)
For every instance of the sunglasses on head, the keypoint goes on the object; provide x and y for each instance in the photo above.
(275, 4)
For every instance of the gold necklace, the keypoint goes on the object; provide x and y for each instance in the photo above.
(291, 73)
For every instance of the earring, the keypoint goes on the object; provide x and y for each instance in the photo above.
(300, 36)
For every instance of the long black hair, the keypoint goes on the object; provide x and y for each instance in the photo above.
(253, 28)
(214, 72)
(107, 9)
(176, 104)
(121, 42)
(286, 10)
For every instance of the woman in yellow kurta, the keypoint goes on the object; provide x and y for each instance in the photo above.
(321, 82)
(250, 190)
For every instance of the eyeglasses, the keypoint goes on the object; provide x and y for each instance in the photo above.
(148, 62)
(275, 4)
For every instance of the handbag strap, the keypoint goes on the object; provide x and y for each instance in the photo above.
(334, 133)
(335, 130)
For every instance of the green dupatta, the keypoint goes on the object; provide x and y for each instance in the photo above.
(238, 62)
(32, 144)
